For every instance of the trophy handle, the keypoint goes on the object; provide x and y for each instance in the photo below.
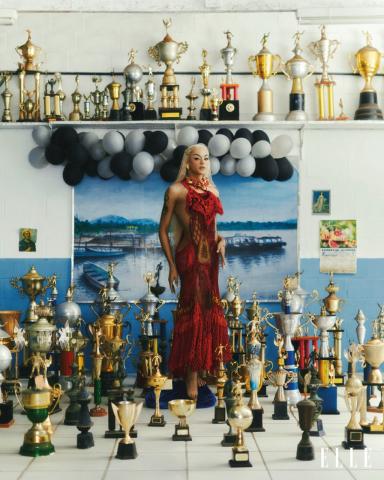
(182, 47)
(291, 411)
(155, 54)
(333, 45)
(252, 58)
(15, 284)
(276, 64)
(59, 392)
(283, 69)
(268, 365)
(115, 410)
(159, 305)
(352, 62)
(311, 71)
(17, 393)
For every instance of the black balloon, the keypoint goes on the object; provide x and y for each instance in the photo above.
(169, 171)
(177, 155)
(91, 168)
(204, 136)
(54, 154)
(226, 132)
(64, 137)
(244, 133)
(147, 133)
(285, 169)
(156, 142)
(121, 165)
(256, 173)
(77, 154)
(267, 168)
(258, 135)
(72, 174)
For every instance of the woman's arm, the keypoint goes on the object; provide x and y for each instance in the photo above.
(220, 242)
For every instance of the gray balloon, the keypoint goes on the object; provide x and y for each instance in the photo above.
(227, 165)
(215, 165)
(261, 149)
(113, 142)
(246, 166)
(88, 139)
(188, 136)
(37, 158)
(159, 161)
(97, 151)
(143, 164)
(170, 148)
(240, 148)
(281, 146)
(219, 145)
(134, 143)
(42, 135)
(104, 169)
(136, 177)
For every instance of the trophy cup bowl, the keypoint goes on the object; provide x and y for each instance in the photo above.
(168, 51)
(374, 355)
(324, 323)
(40, 336)
(353, 390)
(182, 409)
(133, 73)
(31, 283)
(278, 379)
(126, 414)
(306, 409)
(287, 323)
(240, 416)
(368, 61)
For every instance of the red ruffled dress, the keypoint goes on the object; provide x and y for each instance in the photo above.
(200, 325)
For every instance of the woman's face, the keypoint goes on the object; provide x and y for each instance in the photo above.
(198, 161)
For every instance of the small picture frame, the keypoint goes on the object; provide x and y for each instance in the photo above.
(27, 239)
(321, 202)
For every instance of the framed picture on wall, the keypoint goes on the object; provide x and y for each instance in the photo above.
(321, 202)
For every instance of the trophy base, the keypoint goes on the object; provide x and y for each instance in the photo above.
(115, 434)
(280, 411)
(296, 107)
(353, 439)
(170, 113)
(181, 434)
(329, 396)
(72, 415)
(263, 391)
(257, 421)
(205, 114)
(219, 415)
(368, 107)
(157, 421)
(114, 116)
(85, 440)
(240, 459)
(229, 110)
(296, 116)
(126, 451)
(339, 380)
(125, 115)
(229, 440)
(6, 414)
(36, 449)
(319, 432)
(107, 379)
(150, 114)
(305, 452)
(137, 110)
(371, 429)
(98, 411)
(264, 117)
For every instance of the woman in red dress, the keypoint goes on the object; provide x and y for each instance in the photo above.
(192, 202)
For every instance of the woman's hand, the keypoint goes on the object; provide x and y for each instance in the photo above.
(221, 250)
(173, 278)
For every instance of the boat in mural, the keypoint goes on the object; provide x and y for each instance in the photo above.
(240, 243)
(97, 276)
(84, 251)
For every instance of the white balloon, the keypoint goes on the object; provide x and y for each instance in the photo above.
(104, 169)
(170, 148)
(227, 165)
(113, 142)
(143, 164)
(240, 148)
(37, 158)
(134, 143)
(136, 177)
(97, 151)
(42, 135)
(219, 145)
(215, 165)
(281, 146)
(87, 139)
(261, 149)
(246, 166)
(188, 136)
(159, 161)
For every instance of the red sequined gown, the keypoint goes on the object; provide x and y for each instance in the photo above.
(200, 325)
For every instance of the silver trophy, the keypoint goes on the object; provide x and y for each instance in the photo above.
(133, 74)
(228, 54)
(150, 95)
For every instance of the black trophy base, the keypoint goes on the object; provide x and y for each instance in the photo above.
(126, 451)
(228, 440)
(6, 414)
(354, 439)
(370, 429)
(368, 107)
(181, 434)
(157, 421)
(263, 391)
(305, 452)
(107, 379)
(280, 411)
(137, 110)
(206, 114)
(229, 110)
(85, 440)
(115, 434)
(125, 115)
(257, 422)
(219, 415)
(114, 116)
(319, 432)
(150, 114)
(296, 102)
(170, 113)
(240, 460)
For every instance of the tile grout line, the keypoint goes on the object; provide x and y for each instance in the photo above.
(109, 459)
(186, 461)
(344, 465)
(261, 455)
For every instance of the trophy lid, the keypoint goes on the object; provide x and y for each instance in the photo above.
(28, 51)
(41, 325)
(368, 48)
(32, 275)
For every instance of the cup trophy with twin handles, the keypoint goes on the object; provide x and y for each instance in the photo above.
(126, 414)
(205, 70)
(182, 409)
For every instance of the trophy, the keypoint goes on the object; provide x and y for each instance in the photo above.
(367, 63)
(229, 108)
(157, 381)
(151, 95)
(7, 96)
(191, 97)
(266, 65)
(373, 352)
(96, 99)
(168, 51)
(114, 92)
(297, 69)
(85, 437)
(360, 329)
(133, 94)
(76, 114)
(205, 69)
(97, 410)
(87, 107)
(6, 406)
(324, 50)
(29, 101)
(256, 372)
(127, 413)
(229, 438)
(214, 103)
(182, 409)
(105, 105)
(280, 379)
(52, 100)
(221, 378)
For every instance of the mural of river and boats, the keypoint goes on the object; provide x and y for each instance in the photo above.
(118, 221)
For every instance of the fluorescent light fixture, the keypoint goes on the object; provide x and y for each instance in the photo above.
(345, 15)
(8, 17)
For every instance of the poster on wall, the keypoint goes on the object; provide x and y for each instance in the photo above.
(118, 221)
(338, 243)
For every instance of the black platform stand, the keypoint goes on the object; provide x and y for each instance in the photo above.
(319, 432)
(137, 110)
(354, 439)
(126, 451)
(6, 414)
(219, 415)
(257, 421)
(368, 107)
(170, 113)
(229, 110)
(150, 114)
(206, 114)
(280, 411)
(181, 434)
(240, 459)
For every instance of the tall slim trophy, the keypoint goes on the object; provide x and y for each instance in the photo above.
(229, 109)
(76, 114)
(205, 70)
(114, 89)
(168, 51)
(151, 95)
(266, 65)
(367, 63)
(133, 94)
(7, 96)
(191, 97)
(297, 69)
(324, 50)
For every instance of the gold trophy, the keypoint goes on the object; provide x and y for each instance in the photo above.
(76, 115)
(367, 63)
(191, 97)
(168, 51)
(182, 409)
(87, 107)
(126, 414)
(373, 352)
(7, 96)
(97, 410)
(266, 65)
(221, 378)
(114, 89)
(214, 103)
(29, 101)
(205, 70)
(96, 99)
(324, 50)
(157, 381)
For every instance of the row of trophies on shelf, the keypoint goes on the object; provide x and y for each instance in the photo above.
(319, 368)
(214, 106)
